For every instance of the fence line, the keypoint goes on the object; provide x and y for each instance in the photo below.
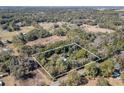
(43, 68)
(55, 48)
(87, 51)
(59, 48)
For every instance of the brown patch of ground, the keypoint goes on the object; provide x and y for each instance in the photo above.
(40, 79)
(9, 81)
(47, 40)
(112, 81)
(14, 49)
(92, 82)
(49, 26)
(96, 29)
(115, 82)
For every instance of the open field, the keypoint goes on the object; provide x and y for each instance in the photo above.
(9, 81)
(88, 28)
(96, 29)
(50, 25)
(9, 35)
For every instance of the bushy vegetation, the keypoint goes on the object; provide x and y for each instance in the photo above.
(5, 59)
(63, 59)
(106, 68)
(74, 79)
(91, 69)
(31, 36)
(102, 82)
(108, 46)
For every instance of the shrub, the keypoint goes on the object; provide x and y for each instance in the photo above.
(91, 69)
(80, 54)
(73, 79)
(102, 82)
(106, 68)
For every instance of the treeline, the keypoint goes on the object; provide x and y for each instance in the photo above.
(12, 21)
(31, 36)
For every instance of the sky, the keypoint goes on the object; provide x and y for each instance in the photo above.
(61, 2)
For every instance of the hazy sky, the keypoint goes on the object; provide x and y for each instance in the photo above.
(61, 2)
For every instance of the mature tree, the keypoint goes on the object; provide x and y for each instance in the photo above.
(61, 66)
(81, 54)
(27, 50)
(91, 69)
(60, 32)
(73, 79)
(106, 68)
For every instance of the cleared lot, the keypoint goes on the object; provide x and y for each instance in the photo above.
(47, 40)
(5, 35)
(96, 29)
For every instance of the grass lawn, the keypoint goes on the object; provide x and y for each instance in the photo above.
(9, 35)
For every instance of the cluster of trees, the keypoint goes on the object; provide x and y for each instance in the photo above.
(37, 33)
(24, 17)
(104, 69)
(58, 64)
(104, 45)
(21, 68)
(63, 59)
(74, 79)
(5, 59)
(9, 23)
(31, 36)
(91, 69)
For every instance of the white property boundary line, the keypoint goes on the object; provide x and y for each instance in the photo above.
(55, 48)
(59, 48)
(87, 50)
(68, 72)
(43, 68)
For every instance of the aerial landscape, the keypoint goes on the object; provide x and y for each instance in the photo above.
(61, 46)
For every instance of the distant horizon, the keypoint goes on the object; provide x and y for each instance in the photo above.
(61, 3)
(107, 7)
